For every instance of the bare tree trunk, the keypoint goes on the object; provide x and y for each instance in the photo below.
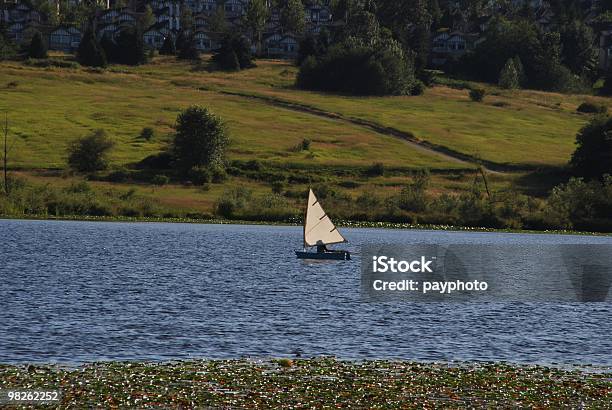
(484, 178)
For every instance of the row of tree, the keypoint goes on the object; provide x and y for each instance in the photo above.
(517, 53)
(363, 57)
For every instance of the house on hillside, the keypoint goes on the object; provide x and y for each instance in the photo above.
(605, 50)
(65, 39)
(153, 38)
(19, 20)
(111, 22)
(317, 16)
(16, 32)
(281, 46)
(451, 46)
(204, 42)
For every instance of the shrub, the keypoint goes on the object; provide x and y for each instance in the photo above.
(90, 153)
(592, 108)
(200, 175)
(277, 187)
(579, 204)
(477, 94)
(349, 184)
(160, 180)
(147, 133)
(253, 165)
(375, 170)
(119, 175)
(593, 155)
(218, 174)
(233, 200)
(163, 160)
(78, 187)
(418, 88)
(200, 139)
(306, 144)
(51, 62)
(413, 196)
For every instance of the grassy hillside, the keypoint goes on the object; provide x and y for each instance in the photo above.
(268, 118)
(50, 108)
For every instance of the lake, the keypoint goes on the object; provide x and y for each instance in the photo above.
(73, 292)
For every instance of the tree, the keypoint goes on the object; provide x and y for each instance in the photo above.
(593, 155)
(308, 47)
(410, 22)
(606, 89)
(186, 46)
(578, 52)
(7, 48)
(200, 139)
(234, 53)
(518, 65)
(509, 76)
(147, 19)
(217, 23)
(539, 52)
(186, 19)
(168, 48)
(37, 48)
(355, 67)
(130, 48)
(108, 45)
(5, 155)
(89, 52)
(90, 153)
(292, 17)
(255, 20)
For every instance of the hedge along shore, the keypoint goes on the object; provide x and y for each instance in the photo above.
(340, 223)
(315, 383)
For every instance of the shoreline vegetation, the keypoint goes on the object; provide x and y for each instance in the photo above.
(340, 223)
(314, 383)
(427, 160)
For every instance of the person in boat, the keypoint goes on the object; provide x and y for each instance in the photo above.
(322, 249)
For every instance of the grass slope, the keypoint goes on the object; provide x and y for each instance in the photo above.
(49, 107)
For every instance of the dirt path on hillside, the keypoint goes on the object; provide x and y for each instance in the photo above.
(409, 138)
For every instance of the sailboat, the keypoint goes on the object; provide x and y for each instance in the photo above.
(320, 231)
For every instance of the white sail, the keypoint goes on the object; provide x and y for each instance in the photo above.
(318, 228)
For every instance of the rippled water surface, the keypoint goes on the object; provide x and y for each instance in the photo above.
(72, 292)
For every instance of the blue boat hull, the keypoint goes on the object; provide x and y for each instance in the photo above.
(330, 255)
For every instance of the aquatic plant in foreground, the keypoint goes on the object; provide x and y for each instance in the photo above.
(315, 383)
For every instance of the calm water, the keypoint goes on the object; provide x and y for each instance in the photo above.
(76, 291)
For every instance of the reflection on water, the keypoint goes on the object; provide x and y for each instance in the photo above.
(79, 291)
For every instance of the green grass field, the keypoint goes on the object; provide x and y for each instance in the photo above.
(48, 108)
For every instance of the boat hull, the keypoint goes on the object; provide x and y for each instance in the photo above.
(333, 255)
